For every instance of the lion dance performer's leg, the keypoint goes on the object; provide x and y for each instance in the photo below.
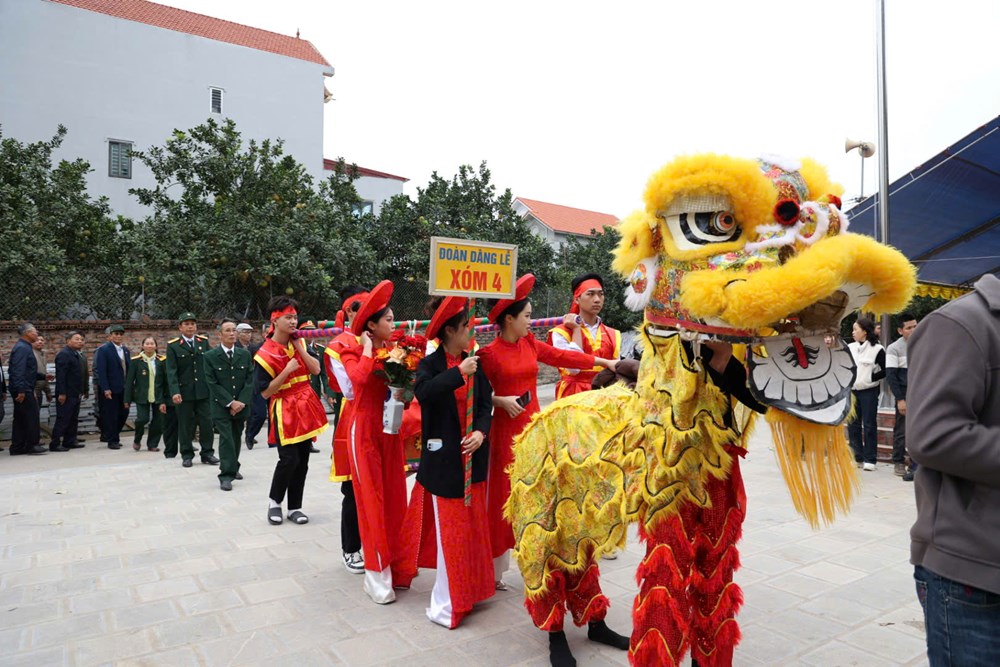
(581, 595)
(687, 598)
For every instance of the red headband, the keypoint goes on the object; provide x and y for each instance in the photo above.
(580, 289)
(288, 310)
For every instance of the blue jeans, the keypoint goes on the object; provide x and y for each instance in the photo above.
(962, 621)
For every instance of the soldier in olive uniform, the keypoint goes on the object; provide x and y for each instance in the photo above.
(168, 413)
(189, 391)
(229, 374)
(142, 387)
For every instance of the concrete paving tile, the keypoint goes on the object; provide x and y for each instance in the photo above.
(769, 599)
(767, 646)
(839, 654)
(805, 627)
(101, 601)
(167, 588)
(308, 658)
(768, 564)
(64, 555)
(185, 567)
(34, 575)
(95, 567)
(887, 643)
(17, 564)
(375, 648)
(265, 591)
(506, 648)
(259, 615)
(144, 615)
(227, 578)
(909, 619)
(201, 603)
(842, 611)
(245, 648)
(834, 574)
(178, 657)
(14, 640)
(111, 648)
(129, 577)
(72, 625)
(183, 631)
(30, 614)
(800, 584)
(232, 558)
(57, 590)
(153, 557)
(55, 655)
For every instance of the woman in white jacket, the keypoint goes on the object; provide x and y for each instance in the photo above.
(869, 356)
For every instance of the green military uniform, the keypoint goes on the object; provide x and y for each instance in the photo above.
(186, 376)
(137, 390)
(170, 417)
(229, 379)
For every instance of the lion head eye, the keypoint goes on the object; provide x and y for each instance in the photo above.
(722, 223)
(695, 230)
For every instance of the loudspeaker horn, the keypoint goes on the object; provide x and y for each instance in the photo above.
(866, 148)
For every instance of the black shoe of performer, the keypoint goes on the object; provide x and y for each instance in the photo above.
(559, 653)
(598, 631)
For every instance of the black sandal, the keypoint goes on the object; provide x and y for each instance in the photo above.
(274, 516)
(298, 516)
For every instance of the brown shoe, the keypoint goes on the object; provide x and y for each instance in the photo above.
(899, 469)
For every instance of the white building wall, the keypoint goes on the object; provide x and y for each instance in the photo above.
(377, 190)
(110, 79)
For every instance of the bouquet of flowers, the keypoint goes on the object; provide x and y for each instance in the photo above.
(398, 364)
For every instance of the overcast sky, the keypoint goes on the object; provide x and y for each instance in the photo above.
(577, 103)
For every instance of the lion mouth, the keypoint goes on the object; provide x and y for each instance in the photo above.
(805, 377)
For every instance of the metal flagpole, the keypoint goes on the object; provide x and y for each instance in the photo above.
(883, 141)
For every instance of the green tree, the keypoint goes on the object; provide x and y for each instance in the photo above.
(234, 223)
(465, 206)
(593, 254)
(61, 248)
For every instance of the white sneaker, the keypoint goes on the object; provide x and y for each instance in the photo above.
(354, 563)
(610, 556)
(869, 467)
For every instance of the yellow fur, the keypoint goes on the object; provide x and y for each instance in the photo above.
(764, 297)
(751, 193)
(636, 243)
(818, 180)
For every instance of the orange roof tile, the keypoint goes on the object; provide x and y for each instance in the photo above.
(200, 25)
(567, 219)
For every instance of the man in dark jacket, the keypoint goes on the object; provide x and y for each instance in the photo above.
(71, 385)
(111, 363)
(229, 373)
(953, 406)
(23, 374)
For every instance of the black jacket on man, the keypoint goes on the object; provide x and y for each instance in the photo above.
(442, 471)
(71, 379)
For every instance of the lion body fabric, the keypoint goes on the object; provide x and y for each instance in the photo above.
(590, 464)
(751, 252)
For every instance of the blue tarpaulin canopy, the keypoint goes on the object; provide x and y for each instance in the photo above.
(945, 214)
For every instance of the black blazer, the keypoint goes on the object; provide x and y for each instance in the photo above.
(442, 472)
(69, 374)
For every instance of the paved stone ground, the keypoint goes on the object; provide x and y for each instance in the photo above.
(124, 557)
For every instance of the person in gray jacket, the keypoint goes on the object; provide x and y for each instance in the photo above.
(953, 406)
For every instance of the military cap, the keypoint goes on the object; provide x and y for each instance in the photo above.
(186, 316)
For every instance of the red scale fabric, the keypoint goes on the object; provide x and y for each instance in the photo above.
(687, 598)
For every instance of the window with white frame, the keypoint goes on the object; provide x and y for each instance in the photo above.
(120, 159)
(216, 100)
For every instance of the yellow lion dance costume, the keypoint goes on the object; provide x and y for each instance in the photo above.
(750, 252)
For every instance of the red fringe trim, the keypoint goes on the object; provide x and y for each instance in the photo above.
(723, 645)
(726, 608)
(652, 650)
(660, 566)
(596, 610)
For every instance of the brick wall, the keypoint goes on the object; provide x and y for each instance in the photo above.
(55, 334)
